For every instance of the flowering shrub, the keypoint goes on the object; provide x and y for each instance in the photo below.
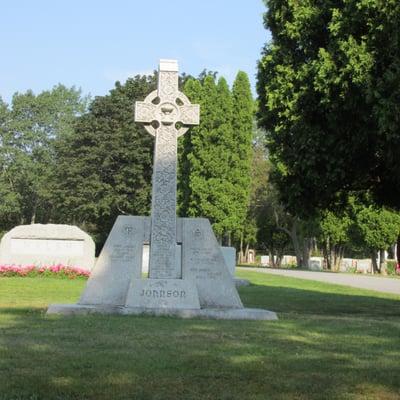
(59, 270)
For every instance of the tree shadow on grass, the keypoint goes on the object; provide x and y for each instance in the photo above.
(290, 300)
(325, 346)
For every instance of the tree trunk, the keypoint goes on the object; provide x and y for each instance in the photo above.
(374, 269)
(337, 256)
(241, 250)
(271, 258)
(296, 245)
(307, 245)
(246, 254)
(325, 251)
(382, 262)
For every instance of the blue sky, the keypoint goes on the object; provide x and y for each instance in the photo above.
(93, 43)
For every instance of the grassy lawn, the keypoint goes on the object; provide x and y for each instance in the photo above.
(331, 342)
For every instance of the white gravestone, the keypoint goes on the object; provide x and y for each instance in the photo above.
(364, 266)
(316, 263)
(188, 276)
(289, 260)
(347, 264)
(229, 254)
(48, 244)
(264, 260)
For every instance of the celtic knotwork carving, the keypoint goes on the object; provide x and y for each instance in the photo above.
(161, 118)
(168, 83)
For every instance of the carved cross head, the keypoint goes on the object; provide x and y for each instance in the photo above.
(167, 105)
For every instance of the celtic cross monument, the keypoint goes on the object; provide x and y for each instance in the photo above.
(161, 112)
(188, 276)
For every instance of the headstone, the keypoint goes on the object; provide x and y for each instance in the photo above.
(48, 244)
(188, 275)
(251, 257)
(316, 263)
(229, 254)
(289, 260)
(264, 260)
(347, 264)
(364, 266)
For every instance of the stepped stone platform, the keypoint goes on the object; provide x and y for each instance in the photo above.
(204, 313)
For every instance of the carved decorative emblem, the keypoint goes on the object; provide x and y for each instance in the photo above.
(128, 230)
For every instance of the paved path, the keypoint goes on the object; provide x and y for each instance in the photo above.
(380, 284)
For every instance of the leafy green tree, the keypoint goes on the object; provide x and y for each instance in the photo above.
(334, 236)
(329, 93)
(105, 164)
(29, 129)
(377, 228)
(253, 228)
(10, 198)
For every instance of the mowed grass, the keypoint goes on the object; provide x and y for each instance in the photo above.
(331, 342)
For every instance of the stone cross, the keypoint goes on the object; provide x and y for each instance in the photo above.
(165, 114)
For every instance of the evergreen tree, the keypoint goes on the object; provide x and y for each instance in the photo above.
(215, 157)
(242, 129)
(208, 153)
(193, 89)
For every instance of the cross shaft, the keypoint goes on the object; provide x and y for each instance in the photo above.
(160, 114)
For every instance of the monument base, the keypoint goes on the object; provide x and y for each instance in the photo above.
(162, 293)
(204, 313)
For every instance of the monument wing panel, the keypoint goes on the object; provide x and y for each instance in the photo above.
(144, 112)
(190, 114)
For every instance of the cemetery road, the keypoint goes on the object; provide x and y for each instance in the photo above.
(378, 283)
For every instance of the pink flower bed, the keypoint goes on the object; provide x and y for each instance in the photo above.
(52, 270)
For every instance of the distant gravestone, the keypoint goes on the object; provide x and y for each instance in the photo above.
(251, 256)
(347, 264)
(289, 260)
(364, 266)
(316, 263)
(48, 244)
(229, 254)
(264, 260)
(188, 275)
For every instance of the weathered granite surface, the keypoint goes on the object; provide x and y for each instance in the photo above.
(163, 293)
(229, 254)
(203, 262)
(207, 313)
(47, 244)
(172, 107)
(118, 263)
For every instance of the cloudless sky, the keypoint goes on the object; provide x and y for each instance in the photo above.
(93, 43)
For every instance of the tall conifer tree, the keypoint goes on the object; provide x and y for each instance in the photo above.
(242, 128)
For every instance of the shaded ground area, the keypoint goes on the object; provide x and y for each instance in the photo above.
(331, 342)
(378, 283)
